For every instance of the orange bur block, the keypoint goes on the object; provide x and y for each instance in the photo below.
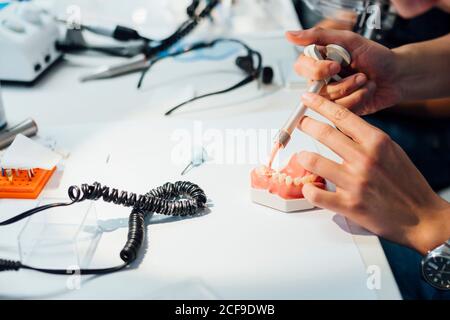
(21, 187)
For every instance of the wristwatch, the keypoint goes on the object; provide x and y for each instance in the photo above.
(436, 267)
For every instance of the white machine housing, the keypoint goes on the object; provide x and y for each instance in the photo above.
(28, 35)
(2, 111)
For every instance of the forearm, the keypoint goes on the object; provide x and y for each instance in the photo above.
(423, 69)
(435, 229)
(431, 108)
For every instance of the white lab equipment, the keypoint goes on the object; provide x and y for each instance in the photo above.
(28, 35)
(2, 112)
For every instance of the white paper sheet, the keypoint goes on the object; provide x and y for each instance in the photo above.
(25, 153)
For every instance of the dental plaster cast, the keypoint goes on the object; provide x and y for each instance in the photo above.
(282, 189)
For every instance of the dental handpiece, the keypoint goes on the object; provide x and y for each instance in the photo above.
(335, 53)
(285, 133)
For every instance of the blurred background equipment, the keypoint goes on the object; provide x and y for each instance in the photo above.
(251, 64)
(75, 41)
(2, 112)
(370, 18)
(156, 49)
(27, 40)
(27, 127)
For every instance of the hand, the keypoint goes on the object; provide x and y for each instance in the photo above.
(377, 185)
(373, 85)
(346, 23)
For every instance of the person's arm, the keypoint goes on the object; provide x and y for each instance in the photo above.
(431, 109)
(377, 185)
(409, 9)
(380, 77)
(423, 69)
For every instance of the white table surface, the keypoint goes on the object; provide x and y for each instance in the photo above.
(59, 100)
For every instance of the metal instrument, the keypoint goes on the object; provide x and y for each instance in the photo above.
(28, 128)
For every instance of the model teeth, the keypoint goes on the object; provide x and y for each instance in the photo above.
(275, 175)
(281, 178)
(288, 180)
(309, 178)
(262, 170)
(297, 181)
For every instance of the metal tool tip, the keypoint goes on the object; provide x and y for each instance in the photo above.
(88, 77)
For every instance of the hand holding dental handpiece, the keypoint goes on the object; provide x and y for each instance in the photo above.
(378, 77)
(371, 83)
(333, 53)
(377, 185)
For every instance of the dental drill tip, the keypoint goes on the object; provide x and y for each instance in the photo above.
(9, 175)
(277, 146)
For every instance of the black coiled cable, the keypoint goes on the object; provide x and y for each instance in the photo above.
(176, 199)
(186, 28)
(181, 198)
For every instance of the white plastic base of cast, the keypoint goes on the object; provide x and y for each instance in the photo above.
(265, 198)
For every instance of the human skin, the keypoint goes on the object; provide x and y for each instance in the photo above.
(386, 77)
(432, 108)
(412, 8)
(377, 186)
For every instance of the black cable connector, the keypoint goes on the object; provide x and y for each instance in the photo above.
(183, 30)
(123, 33)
